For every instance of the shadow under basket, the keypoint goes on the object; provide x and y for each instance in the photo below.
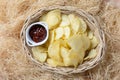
(93, 25)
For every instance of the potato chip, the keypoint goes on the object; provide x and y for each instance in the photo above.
(71, 58)
(39, 54)
(76, 58)
(43, 17)
(67, 32)
(53, 18)
(85, 33)
(86, 42)
(94, 42)
(54, 63)
(76, 43)
(91, 54)
(90, 34)
(54, 51)
(65, 21)
(64, 43)
(59, 33)
(83, 26)
(75, 23)
(52, 36)
(42, 48)
(65, 55)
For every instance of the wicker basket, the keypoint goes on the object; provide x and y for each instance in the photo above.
(91, 22)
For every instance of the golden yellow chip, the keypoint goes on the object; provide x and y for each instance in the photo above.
(63, 43)
(94, 42)
(43, 17)
(53, 18)
(75, 23)
(52, 36)
(67, 32)
(90, 34)
(71, 58)
(76, 43)
(39, 54)
(76, 58)
(85, 33)
(65, 21)
(83, 26)
(54, 63)
(65, 55)
(92, 54)
(86, 42)
(54, 51)
(59, 33)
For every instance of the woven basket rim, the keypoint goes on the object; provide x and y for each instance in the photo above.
(93, 25)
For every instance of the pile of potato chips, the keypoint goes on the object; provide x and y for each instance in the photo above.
(70, 40)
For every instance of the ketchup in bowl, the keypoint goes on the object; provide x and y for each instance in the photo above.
(37, 33)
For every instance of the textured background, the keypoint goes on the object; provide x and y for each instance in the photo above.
(14, 65)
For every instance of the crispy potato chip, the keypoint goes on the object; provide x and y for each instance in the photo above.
(90, 34)
(86, 42)
(83, 26)
(43, 17)
(76, 58)
(65, 55)
(77, 24)
(76, 43)
(85, 33)
(54, 63)
(54, 51)
(71, 58)
(63, 43)
(59, 33)
(94, 42)
(92, 54)
(53, 18)
(65, 21)
(42, 48)
(52, 36)
(67, 32)
(39, 54)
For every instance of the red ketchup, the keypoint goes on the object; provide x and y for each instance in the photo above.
(38, 33)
